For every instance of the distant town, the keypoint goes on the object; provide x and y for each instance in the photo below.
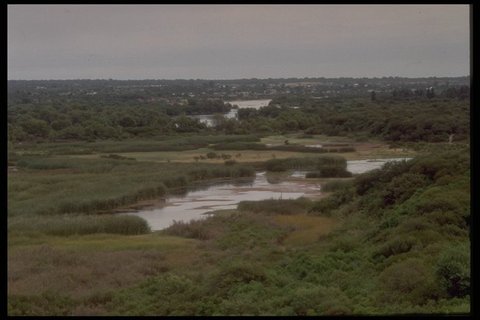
(178, 91)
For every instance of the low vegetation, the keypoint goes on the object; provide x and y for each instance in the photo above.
(391, 241)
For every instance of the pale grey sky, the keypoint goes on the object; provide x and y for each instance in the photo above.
(236, 41)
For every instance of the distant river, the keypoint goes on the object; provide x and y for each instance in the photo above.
(208, 119)
(256, 104)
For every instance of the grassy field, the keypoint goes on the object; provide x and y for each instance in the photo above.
(363, 150)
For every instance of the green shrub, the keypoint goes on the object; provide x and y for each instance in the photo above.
(116, 157)
(409, 280)
(339, 198)
(238, 272)
(415, 224)
(43, 163)
(319, 163)
(403, 187)
(276, 165)
(453, 270)
(336, 185)
(45, 304)
(288, 206)
(397, 245)
(330, 166)
(195, 229)
(211, 155)
(329, 173)
(447, 217)
(67, 225)
(230, 162)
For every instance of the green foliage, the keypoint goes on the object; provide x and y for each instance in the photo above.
(194, 229)
(230, 162)
(327, 163)
(211, 155)
(334, 201)
(289, 206)
(237, 272)
(93, 185)
(161, 143)
(67, 225)
(140, 110)
(276, 165)
(329, 172)
(367, 181)
(299, 148)
(335, 185)
(453, 270)
(403, 187)
(411, 280)
(397, 245)
(46, 304)
(168, 294)
(117, 157)
(239, 146)
(400, 243)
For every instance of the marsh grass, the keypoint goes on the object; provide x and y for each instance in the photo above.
(325, 149)
(290, 163)
(323, 162)
(56, 185)
(239, 146)
(165, 143)
(335, 185)
(68, 225)
(195, 229)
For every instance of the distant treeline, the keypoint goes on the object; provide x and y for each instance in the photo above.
(417, 118)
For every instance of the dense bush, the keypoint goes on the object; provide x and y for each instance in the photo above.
(396, 245)
(403, 187)
(194, 229)
(453, 270)
(409, 280)
(276, 206)
(336, 185)
(327, 205)
(329, 173)
(327, 163)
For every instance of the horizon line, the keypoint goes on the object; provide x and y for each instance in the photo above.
(232, 79)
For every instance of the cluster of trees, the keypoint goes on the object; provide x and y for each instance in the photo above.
(433, 120)
(196, 107)
(421, 117)
(80, 122)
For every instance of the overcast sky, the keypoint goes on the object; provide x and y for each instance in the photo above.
(236, 41)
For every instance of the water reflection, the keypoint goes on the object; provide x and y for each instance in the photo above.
(191, 204)
(209, 119)
(206, 198)
(356, 166)
(361, 166)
